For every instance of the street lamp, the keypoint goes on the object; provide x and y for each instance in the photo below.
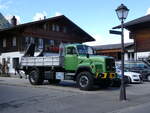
(122, 12)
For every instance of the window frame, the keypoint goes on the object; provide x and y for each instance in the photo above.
(14, 42)
(4, 43)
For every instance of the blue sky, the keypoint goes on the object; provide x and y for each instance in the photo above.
(96, 17)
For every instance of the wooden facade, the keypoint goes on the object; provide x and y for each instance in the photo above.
(114, 50)
(51, 31)
(140, 32)
(142, 39)
(116, 53)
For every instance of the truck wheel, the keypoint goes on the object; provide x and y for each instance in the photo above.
(85, 80)
(51, 81)
(35, 78)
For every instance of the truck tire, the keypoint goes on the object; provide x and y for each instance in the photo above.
(35, 77)
(51, 81)
(85, 81)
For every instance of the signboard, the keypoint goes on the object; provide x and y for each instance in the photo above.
(115, 32)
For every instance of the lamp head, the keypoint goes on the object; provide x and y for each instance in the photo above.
(122, 12)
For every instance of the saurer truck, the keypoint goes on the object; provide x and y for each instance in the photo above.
(74, 62)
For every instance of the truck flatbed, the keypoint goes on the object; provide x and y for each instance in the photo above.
(41, 61)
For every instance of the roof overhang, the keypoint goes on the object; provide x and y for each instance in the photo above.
(137, 23)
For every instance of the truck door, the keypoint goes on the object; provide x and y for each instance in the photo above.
(71, 60)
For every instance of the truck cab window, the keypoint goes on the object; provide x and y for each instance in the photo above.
(71, 50)
(83, 49)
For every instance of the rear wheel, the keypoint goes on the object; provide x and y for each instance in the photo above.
(85, 80)
(35, 77)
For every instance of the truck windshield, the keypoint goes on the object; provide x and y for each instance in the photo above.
(83, 49)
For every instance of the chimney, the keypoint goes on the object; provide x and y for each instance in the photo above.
(14, 21)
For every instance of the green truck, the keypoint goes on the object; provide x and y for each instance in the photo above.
(74, 62)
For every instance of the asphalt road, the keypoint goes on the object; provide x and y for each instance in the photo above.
(18, 96)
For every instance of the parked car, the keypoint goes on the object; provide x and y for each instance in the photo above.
(139, 67)
(130, 77)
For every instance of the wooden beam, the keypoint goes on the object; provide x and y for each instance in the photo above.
(108, 51)
(52, 35)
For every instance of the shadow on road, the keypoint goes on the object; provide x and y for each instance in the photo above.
(71, 84)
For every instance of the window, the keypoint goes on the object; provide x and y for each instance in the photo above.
(27, 40)
(45, 27)
(132, 54)
(57, 28)
(32, 40)
(3, 61)
(15, 62)
(65, 30)
(53, 27)
(8, 59)
(40, 43)
(71, 50)
(83, 49)
(51, 42)
(128, 56)
(4, 42)
(14, 41)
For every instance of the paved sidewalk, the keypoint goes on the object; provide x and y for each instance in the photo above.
(14, 81)
(70, 99)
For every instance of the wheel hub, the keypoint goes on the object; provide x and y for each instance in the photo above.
(84, 81)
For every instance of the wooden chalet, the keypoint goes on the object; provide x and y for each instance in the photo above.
(114, 50)
(140, 32)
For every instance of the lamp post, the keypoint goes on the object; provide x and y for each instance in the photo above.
(122, 12)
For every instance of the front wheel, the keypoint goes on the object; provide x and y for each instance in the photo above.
(85, 80)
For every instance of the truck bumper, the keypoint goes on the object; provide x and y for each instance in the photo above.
(105, 76)
(101, 81)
